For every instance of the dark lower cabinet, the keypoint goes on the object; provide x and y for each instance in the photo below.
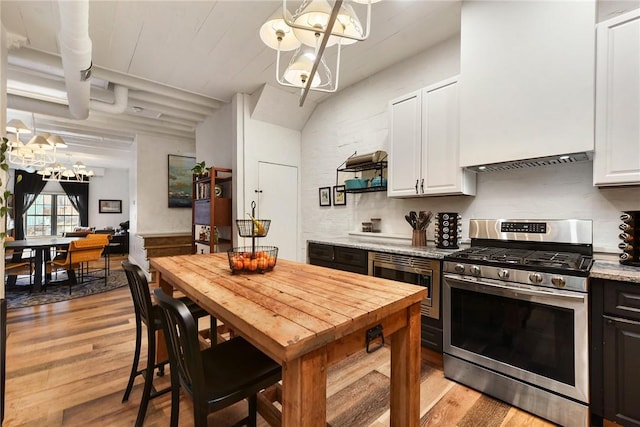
(338, 257)
(615, 352)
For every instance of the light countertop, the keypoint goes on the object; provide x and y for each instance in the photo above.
(601, 269)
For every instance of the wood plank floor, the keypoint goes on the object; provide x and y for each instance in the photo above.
(68, 364)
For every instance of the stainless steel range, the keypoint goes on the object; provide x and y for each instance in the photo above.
(516, 315)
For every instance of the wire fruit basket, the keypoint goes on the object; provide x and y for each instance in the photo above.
(255, 259)
(249, 228)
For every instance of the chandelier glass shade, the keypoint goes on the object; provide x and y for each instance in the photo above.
(39, 151)
(58, 172)
(304, 31)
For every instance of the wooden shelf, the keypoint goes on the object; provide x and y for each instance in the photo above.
(210, 211)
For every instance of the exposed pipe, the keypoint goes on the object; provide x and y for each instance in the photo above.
(120, 94)
(75, 50)
(131, 82)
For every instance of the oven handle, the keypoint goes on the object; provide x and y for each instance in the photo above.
(522, 289)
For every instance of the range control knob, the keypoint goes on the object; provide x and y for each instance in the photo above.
(459, 268)
(535, 278)
(503, 274)
(558, 281)
(475, 270)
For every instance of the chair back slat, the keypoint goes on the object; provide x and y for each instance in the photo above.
(181, 332)
(139, 287)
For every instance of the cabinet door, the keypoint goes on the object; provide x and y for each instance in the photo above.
(441, 171)
(622, 371)
(617, 155)
(404, 146)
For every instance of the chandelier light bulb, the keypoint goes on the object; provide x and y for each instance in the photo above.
(298, 72)
(276, 34)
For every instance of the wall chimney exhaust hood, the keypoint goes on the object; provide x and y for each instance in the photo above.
(533, 163)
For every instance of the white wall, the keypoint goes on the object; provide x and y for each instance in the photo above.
(356, 119)
(114, 185)
(215, 139)
(153, 213)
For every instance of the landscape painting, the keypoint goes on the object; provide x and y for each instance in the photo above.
(180, 178)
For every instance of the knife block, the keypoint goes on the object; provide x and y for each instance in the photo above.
(447, 229)
(630, 236)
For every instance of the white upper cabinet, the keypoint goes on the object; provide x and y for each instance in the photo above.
(424, 150)
(526, 80)
(617, 157)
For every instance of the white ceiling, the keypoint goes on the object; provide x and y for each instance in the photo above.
(181, 59)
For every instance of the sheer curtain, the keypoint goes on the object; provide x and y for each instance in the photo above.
(78, 194)
(26, 190)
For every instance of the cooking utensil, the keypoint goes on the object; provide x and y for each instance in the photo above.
(414, 218)
(410, 221)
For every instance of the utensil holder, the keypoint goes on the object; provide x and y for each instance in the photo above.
(419, 238)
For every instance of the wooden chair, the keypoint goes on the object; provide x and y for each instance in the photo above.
(15, 264)
(79, 252)
(148, 313)
(104, 238)
(216, 377)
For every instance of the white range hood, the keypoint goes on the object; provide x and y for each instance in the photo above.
(527, 81)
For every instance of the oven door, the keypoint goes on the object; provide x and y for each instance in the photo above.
(416, 271)
(537, 335)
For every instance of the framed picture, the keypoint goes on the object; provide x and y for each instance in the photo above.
(110, 206)
(180, 180)
(339, 196)
(325, 196)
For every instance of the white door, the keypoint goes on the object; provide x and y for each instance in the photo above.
(278, 201)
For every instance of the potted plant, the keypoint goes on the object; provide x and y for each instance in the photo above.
(200, 169)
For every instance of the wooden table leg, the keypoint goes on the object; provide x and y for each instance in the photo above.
(304, 390)
(405, 372)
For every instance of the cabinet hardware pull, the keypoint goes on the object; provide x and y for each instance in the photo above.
(422, 186)
(258, 191)
(417, 186)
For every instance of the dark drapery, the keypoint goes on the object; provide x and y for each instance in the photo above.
(26, 191)
(78, 194)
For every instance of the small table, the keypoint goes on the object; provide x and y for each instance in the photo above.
(307, 318)
(41, 246)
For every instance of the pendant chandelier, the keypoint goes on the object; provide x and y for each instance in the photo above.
(58, 172)
(314, 26)
(38, 152)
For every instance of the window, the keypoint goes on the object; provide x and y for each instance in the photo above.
(51, 215)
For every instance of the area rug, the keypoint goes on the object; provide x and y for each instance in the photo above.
(18, 296)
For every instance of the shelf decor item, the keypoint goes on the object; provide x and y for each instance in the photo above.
(253, 259)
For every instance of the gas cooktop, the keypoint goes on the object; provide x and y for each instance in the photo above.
(567, 262)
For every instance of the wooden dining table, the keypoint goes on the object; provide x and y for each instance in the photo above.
(41, 246)
(308, 318)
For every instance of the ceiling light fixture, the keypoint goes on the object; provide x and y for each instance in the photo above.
(39, 151)
(316, 25)
(60, 173)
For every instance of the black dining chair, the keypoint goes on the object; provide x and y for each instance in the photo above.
(148, 313)
(216, 377)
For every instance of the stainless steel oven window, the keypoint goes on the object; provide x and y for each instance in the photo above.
(413, 270)
(538, 336)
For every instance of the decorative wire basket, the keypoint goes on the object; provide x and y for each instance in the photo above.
(253, 259)
(247, 228)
